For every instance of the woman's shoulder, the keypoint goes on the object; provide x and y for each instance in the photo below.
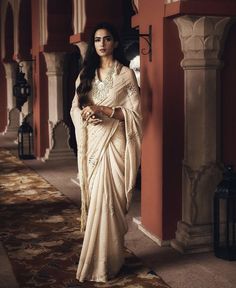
(125, 71)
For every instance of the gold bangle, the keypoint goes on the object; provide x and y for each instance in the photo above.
(113, 111)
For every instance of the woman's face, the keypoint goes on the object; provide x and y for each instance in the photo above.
(104, 43)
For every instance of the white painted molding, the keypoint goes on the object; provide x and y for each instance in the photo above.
(160, 242)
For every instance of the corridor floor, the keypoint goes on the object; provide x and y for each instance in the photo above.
(179, 271)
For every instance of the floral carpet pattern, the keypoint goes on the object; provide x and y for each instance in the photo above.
(40, 231)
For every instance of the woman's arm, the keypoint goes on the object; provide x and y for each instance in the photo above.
(95, 110)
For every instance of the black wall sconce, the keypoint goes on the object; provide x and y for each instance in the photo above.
(21, 89)
(148, 38)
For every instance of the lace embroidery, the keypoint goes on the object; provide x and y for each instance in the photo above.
(131, 88)
(132, 136)
(92, 161)
(101, 88)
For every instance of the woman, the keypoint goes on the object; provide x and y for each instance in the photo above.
(107, 118)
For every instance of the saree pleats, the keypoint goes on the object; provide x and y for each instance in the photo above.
(102, 253)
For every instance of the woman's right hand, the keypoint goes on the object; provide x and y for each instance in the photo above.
(90, 114)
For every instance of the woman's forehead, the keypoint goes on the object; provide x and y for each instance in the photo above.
(102, 33)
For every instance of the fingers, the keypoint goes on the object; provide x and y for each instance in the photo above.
(93, 120)
(86, 113)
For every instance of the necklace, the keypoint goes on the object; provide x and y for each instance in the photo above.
(101, 88)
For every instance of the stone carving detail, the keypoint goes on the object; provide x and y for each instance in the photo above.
(198, 186)
(59, 136)
(54, 63)
(13, 121)
(58, 131)
(201, 37)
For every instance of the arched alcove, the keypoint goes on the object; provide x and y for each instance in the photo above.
(228, 99)
(3, 98)
(59, 21)
(9, 34)
(25, 31)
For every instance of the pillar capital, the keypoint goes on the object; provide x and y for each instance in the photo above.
(201, 39)
(54, 62)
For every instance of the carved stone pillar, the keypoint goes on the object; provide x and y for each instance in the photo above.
(58, 131)
(201, 41)
(13, 112)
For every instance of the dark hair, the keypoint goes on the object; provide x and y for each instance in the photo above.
(92, 61)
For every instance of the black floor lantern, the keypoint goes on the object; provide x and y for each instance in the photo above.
(25, 141)
(225, 216)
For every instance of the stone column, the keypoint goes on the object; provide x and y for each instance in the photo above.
(13, 112)
(201, 41)
(58, 131)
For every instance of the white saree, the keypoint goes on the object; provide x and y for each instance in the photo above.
(108, 161)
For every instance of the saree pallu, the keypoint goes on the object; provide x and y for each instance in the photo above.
(108, 161)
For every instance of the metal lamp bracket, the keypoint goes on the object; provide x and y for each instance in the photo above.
(148, 38)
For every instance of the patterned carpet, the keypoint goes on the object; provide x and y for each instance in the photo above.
(39, 229)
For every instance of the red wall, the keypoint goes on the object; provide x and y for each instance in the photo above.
(106, 10)
(163, 105)
(40, 105)
(25, 26)
(59, 25)
(9, 45)
(228, 100)
(173, 134)
(9, 50)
